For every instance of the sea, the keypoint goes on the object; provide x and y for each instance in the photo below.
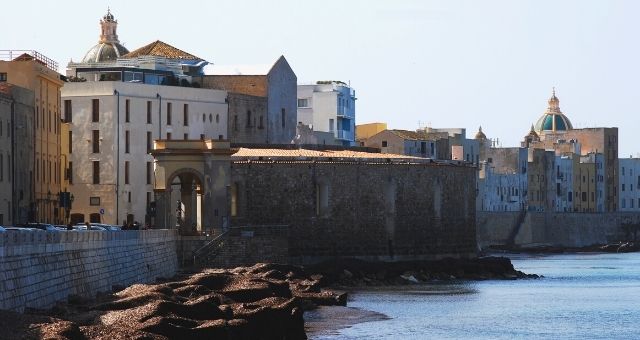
(581, 296)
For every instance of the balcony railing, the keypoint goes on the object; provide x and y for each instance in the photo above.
(25, 55)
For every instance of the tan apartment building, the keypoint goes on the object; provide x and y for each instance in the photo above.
(36, 72)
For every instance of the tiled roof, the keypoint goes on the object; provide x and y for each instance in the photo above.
(304, 153)
(411, 135)
(161, 49)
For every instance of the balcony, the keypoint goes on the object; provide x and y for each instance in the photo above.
(25, 55)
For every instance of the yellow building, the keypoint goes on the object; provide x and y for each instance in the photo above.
(36, 72)
(364, 131)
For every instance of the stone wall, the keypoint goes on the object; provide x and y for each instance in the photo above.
(555, 228)
(38, 268)
(249, 245)
(383, 211)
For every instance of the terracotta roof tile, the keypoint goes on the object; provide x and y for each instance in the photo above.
(161, 49)
(304, 153)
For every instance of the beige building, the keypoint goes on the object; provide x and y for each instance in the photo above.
(112, 127)
(34, 71)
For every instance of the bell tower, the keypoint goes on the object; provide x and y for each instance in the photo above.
(108, 25)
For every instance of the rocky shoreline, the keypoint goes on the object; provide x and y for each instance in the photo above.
(264, 301)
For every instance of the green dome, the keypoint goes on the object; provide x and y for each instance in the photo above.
(553, 119)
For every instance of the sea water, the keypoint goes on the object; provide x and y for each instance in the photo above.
(582, 296)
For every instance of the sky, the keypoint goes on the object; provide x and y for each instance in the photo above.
(442, 64)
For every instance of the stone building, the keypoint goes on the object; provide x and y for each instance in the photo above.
(404, 142)
(330, 107)
(330, 203)
(16, 153)
(39, 74)
(262, 100)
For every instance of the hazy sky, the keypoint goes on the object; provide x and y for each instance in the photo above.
(436, 63)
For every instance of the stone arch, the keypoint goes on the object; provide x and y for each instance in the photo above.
(184, 204)
(183, 171)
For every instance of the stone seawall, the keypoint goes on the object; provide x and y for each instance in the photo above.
(39, 268)
(554, 228)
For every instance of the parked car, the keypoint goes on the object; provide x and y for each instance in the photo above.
(94, 226)
(2, 229)
(41, 226)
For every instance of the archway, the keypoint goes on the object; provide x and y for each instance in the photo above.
(184, 190)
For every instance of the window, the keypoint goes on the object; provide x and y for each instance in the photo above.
(95, 111)
(234, 199)
(95, 140)
(96, 172)
(235, 123)
(70, 173)
(623, 203)
(622, 186)
(261, 125)
(570, 196)
(584, 196)
(3, 76)
(168, 114)
(185, 115)
(186, 136)
(148, 112)
(127, 110)
(148, 141)
(168, 135)
(67, 111)
(126, 141)
(331, 125)
(220, 137)
(282, 116)
(304, 102)
(70, 142)
(149, 172)
(1, 168)
(204, 117)
(129, 198)
(384, 144)
(94, 201)
(217, 118)
(126, 172)
(202, 136)
(248, 118)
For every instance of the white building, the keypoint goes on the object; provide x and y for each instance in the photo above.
(112, 127)
(629, 184)
(329, 106)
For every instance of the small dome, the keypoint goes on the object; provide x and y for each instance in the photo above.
(104, 52)
(553, 120)
(108, 16)
(480, 134)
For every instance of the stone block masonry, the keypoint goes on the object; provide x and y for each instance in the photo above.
(39, 268)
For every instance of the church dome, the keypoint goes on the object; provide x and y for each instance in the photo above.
(553, 120)
(480, 134)
(108, 47)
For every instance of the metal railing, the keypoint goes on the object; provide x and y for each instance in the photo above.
(25, 55)
(210, 248)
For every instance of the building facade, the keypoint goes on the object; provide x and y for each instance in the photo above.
(37, 73)
(262, 100)
(112, 128)
(403, 142)
(629, 184)
(329, 106)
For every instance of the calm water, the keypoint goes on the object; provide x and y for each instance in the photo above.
(583, 296)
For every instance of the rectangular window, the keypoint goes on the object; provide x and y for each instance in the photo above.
(3, 76)
(261, 124)
(94, 201)
(168, 113)
(96, 141)
(235, 123)
(1, 168)
(67, 111)
(185, 115)
(129, 197)
(149, 172)
(168, 135)
(96, 172)
(95, 110)
(126, 141)
(331, 125)
(148, 112)
(384, 144)
(126, 172)
(303, 102)
(186, 136)
(202, 136)
(149, 141)
(70, 173)
(127, 110)
(70, 142)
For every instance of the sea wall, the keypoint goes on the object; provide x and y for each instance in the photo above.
(39, 268)
(554, 228)
(378, 211)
